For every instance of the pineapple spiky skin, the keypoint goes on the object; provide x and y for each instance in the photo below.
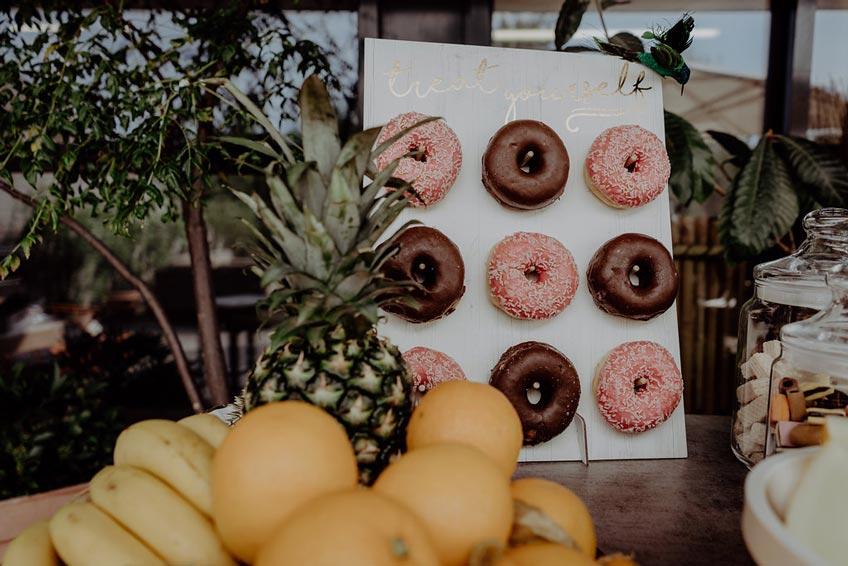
(317, 256)
(361, 381)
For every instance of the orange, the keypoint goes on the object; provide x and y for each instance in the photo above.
(458, 492)
(276, 458)
(545, 554)
(465, 412)
(354, 528)
(563, 507)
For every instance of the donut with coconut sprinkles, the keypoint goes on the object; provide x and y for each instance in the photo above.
(627, 167)
(531, 276)
(637, 386)
(429, 368)
(431, 173)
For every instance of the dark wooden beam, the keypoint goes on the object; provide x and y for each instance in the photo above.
(445, 21)
(787, 102)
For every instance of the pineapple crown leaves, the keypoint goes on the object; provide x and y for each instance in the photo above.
(317, 254)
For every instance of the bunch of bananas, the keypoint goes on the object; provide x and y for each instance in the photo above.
(153, 507)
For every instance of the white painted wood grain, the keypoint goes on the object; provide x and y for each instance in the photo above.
(476, 90)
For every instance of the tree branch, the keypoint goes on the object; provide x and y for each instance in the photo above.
(146, 293)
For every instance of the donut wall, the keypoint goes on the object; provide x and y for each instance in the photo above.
(577, 98)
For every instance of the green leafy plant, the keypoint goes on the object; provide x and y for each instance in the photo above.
(61, 419)
(779, 181)
(104, 112)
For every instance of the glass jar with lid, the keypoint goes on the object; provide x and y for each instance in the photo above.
(809, 381)
(787, 290)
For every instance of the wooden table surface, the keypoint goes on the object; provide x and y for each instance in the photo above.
(669, 512)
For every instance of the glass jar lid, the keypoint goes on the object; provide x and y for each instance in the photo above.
(798, 279)
(820, 343)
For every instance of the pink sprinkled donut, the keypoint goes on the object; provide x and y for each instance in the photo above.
(627, 166)
(432, 173)
(531, 276)
(637, 386)
(429, 368)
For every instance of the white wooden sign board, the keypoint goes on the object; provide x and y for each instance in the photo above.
(476, 90)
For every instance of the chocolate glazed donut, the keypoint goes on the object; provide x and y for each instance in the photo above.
(429, 257)
(538, 366)
(525, 165)
(633, 276)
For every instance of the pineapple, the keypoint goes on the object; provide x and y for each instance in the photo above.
(320, 264)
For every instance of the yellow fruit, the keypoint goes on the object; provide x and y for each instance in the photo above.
(545, 554)
(32, 547)
(276, 458)
(465, 412)
(157, 516)
(172, 453)
(353, 528)
(209, 427)
(83, 535)
(563, 506)
(459, 493)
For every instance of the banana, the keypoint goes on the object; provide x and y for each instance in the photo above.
(172, 453)
(32, 547)
(212, 429)
(86, 536)
(158, 516)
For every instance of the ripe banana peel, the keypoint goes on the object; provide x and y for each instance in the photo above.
(209, 427)
(32, 547)
(158, 516)
(83, 535)
(172, 453)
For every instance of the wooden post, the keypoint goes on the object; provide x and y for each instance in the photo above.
(787, 103)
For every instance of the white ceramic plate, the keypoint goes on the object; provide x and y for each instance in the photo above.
(768, 488)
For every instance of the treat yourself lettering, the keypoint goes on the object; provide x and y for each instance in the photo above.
(483, 78)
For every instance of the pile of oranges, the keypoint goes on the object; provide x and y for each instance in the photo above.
(284, 491)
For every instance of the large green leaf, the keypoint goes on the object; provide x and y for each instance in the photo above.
(692, 162)
(319, 127)
(738, 150)
(817, 169)
(353, 159)
(296, 249)
(321, 250)
(761, 206)
(570, 16)
(307, 186)
(341, 212)
(284, 204)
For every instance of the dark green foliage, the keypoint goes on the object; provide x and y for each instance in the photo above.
(111, 105)
(570, 16)
(816, 169)
(692, 162)
(738, 150)
(762, 204)
(778, 182)
(60, 420)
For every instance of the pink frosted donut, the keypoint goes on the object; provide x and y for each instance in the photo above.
(627, 166)
(428, 368)
(531, 276)
(432, 173)
(637, 386)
